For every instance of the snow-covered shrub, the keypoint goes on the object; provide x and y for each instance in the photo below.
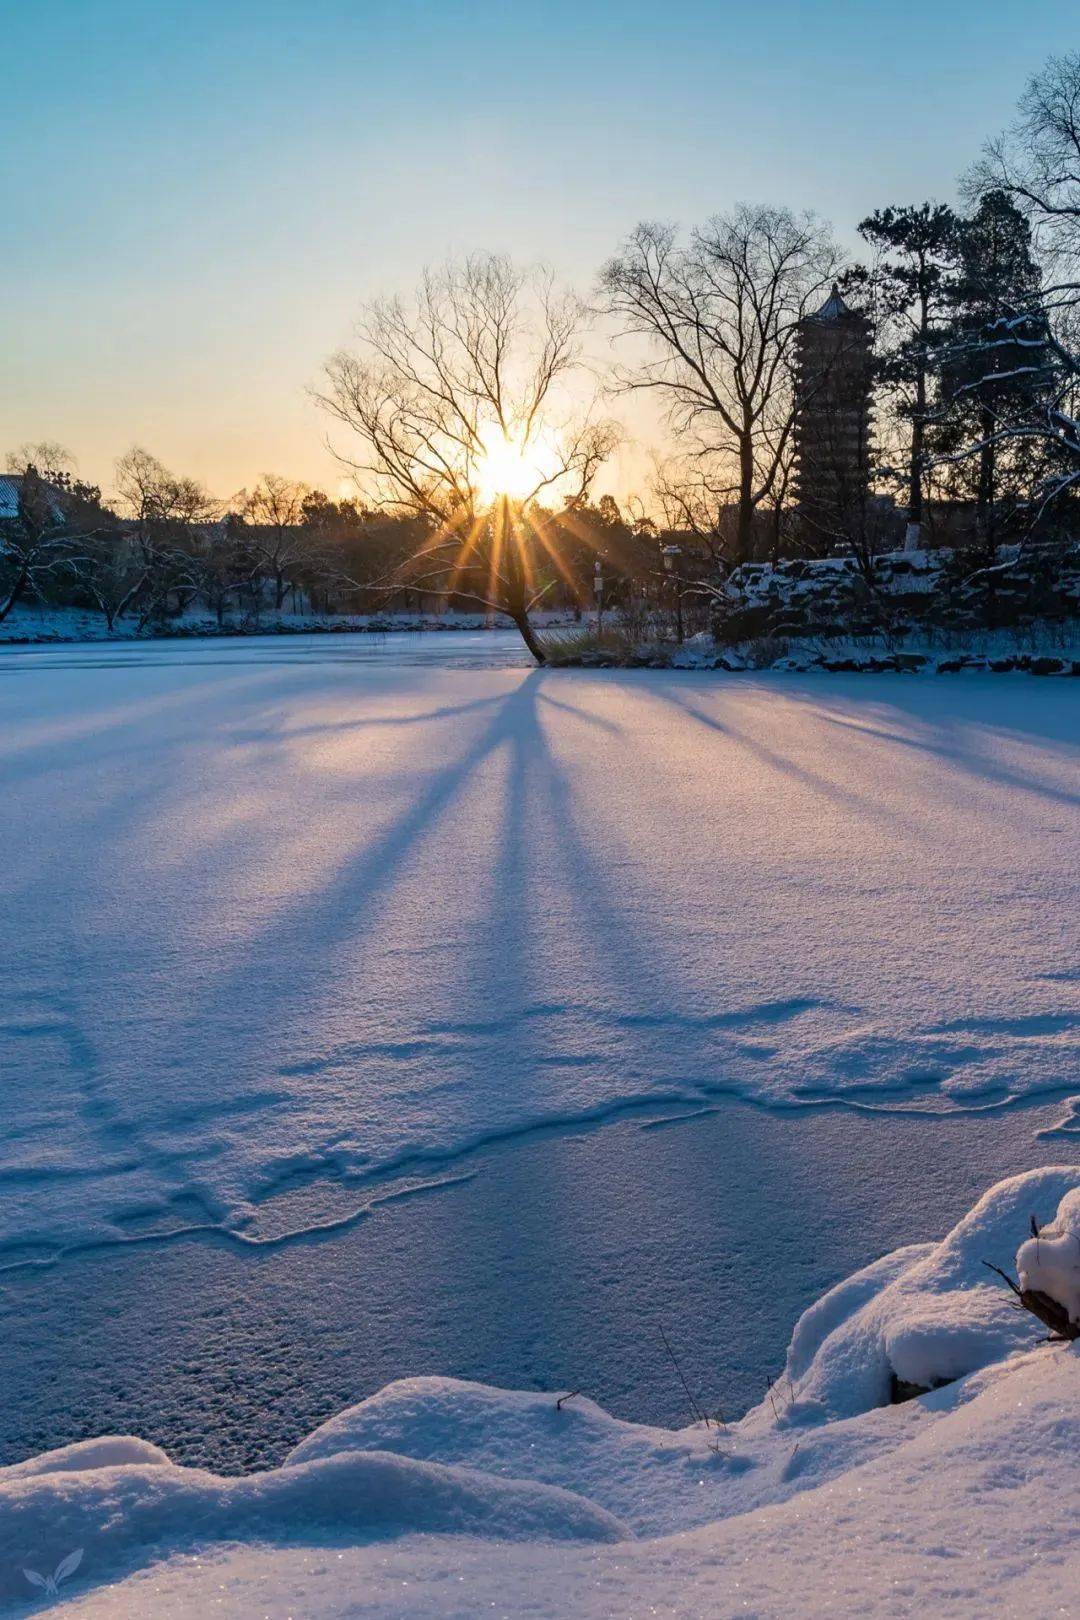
(1049, 1262)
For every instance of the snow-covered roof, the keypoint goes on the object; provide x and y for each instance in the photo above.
(9, 496)
(10, 488)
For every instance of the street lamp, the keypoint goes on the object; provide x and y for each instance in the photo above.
(598, 587)
(671, 555)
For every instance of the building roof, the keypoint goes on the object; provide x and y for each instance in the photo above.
(10, 492)
(9, 497)
(834, 308)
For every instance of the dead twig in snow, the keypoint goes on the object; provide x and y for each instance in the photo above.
(1048, 1311)
(695, 1410)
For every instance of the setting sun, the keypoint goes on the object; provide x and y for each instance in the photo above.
(510, 466)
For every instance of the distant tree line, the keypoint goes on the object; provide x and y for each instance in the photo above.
(163, 546)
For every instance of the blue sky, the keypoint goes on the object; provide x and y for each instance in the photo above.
(196, 199)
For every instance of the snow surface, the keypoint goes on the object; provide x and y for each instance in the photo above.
(293, 930)
(443, 1499)
(284, 924)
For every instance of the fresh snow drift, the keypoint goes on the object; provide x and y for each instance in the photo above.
(283, 922)
(442, 1499)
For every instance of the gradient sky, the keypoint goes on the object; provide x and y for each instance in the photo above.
(197, 197)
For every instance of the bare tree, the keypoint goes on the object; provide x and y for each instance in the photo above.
(463, 408)
(38, 546)
(112, 574)
(168, 518)
(155, 498)
(224, 567)
(720, 315)
(50, 460)
(278, 539)
(1037, 162)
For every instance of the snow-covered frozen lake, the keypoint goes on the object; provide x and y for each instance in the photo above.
(375, 1006)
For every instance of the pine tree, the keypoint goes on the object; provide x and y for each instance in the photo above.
(918, 247)
(989, 373)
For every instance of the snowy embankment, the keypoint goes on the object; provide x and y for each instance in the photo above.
(36, 623)
(279, 927)
(1052, 649)
(447, 1499)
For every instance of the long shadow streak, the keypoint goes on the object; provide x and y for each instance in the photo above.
(778, 762)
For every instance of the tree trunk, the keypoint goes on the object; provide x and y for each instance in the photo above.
(744, 540)
(777, 531)
(913, 539)
(14, 594)
(528, 634)
(984, 520)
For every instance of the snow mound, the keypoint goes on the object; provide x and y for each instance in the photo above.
(956, 1515)
(653, 1479)
(929, 1313)
(437, 1497)
(111, 1451)
(130, 1513)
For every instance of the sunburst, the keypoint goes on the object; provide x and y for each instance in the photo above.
(510, 466)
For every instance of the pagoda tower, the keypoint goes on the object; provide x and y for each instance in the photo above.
(833, 376)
